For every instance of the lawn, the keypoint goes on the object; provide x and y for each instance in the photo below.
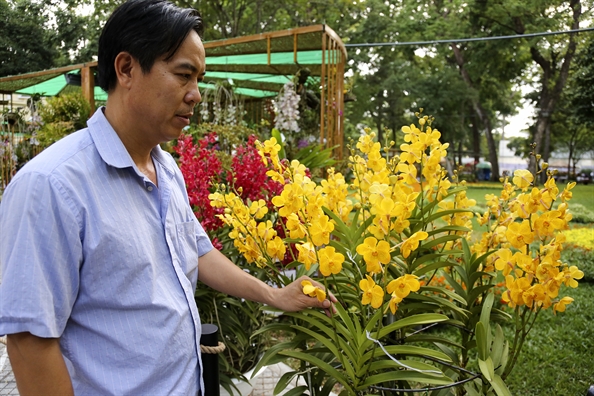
(557, 356)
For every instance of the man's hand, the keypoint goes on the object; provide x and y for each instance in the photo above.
(216, 271)
(291, 298)
(38, 365)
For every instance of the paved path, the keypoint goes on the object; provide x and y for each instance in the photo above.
(7, 382)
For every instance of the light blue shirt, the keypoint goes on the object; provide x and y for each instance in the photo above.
(92, 252)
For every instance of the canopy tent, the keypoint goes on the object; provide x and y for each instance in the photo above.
(255, 66)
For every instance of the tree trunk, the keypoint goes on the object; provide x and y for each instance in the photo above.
(481, 114)
(476, 142)
(550, 96)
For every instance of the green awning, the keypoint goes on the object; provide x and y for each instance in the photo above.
(54, 86)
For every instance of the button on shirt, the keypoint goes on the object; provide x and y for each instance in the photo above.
(94, 253)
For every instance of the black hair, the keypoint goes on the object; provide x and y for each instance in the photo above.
(147, 30)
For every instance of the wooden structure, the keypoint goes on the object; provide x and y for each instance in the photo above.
(257, 66)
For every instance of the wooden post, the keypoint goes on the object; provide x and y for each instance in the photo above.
(88, 86)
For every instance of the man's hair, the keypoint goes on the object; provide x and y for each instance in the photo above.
(147, 30)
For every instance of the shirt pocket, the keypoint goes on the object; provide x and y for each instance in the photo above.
(187, 249)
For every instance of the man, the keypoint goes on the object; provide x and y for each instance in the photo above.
(100, 252)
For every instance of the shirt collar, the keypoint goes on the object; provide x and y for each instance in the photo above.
(110, 147)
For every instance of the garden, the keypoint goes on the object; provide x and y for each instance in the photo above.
(445, 285)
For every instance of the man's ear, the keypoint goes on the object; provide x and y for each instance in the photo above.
(124, 64)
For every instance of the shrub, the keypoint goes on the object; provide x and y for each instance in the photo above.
(62, 115)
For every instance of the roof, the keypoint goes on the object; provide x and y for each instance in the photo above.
(256, 66)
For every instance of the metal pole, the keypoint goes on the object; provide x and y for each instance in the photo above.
(210, 361)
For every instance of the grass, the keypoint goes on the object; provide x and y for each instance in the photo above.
(557, 356)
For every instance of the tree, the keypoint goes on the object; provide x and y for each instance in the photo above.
(24, 43)
(573, 121)
(552, 54)
(233, 18)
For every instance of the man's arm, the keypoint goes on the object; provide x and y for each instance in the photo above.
(38, 365)
(218, 272)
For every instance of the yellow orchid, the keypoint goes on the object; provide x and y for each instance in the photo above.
(320, 230)
(505, 261)
(560, 306)
(290, 200)
(519, 235)
(412, 243)
(566, 195)
(307, 254)
(570, 275)
(276, 248)
(296, 228)
(313, 291)
(547, 223)
(330, 261)
(258, 209)
(372, 293)
(404, 285)
(523, 178)
(394, 301)
(374, 253)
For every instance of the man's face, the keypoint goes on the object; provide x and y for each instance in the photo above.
(163, 100)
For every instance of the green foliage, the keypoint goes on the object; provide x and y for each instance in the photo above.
(581, 214)
(62, 115)
(24, 42)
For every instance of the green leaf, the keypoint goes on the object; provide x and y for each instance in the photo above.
(322, 365)
(476, 275)
(439, 241)
(449, 228)
(470, 387)
(434, 339)
(499, 386)
(443, 213)
(486, 367)
(353, 335)
(486, 316)
(388, 364)
(283, 381)
(445, 291)
(413, 320)
(497, 347)
(404, 375)
(477, 291)
(455, 285)
(466, 249)
(409, 350)
(504, 358)
(297, 391)
(339, 224)
(432, 267)
(329, 342)
(481, 341)
(447, 304)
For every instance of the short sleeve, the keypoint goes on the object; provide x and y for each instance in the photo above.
(40, 256)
